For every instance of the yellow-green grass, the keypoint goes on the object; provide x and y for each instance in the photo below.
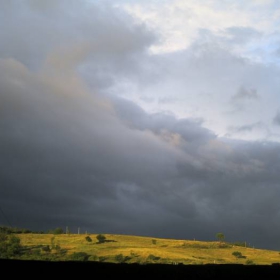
(138, 249)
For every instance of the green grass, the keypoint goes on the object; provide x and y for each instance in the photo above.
(137, 249)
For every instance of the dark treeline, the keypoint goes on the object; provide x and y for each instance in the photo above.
(14, 230)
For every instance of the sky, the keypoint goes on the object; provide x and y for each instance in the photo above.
(149, 118)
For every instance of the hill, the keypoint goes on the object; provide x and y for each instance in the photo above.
(141, 250)
(108, 256)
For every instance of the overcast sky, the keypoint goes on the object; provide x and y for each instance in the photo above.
(151, 118)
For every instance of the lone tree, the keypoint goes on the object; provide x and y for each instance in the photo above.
(101, 238)
(220, 236)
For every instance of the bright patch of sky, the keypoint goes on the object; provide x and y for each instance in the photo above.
(217, 48)
(179, 22)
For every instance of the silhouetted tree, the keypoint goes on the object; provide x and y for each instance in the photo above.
(220, 236)
(101, 238)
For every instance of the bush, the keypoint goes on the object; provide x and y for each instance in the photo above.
(240, 244)
(93, 258)
(46, 249)
(153, 258)
(36, 252)
(79, 256)
(58, 231)
(9, 245)
(102, 259)
(101, 238)
(4, 237)
(238, 255)
(88, 239)
(224, 245)
(119, 258)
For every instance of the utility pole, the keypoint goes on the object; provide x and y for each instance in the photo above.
(78, 230)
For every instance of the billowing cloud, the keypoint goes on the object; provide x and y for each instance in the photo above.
(108, 124)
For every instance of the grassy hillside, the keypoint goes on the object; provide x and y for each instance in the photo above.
(137, 249)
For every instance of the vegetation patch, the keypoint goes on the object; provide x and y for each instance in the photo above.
(238, 255)
(102, 239)
(120, 258)
(152, 257)
(201, 258)
(79, 256)
(127, 249)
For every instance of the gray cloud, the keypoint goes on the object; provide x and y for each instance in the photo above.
(247, 128)
(241, 35)
(47, 27)
(245, 94)
(74, 153)
(101, 164)
(276, 119)
(277, 52)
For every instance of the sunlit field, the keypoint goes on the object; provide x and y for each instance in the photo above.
(143, 250)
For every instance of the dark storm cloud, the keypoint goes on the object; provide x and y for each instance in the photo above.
(165, 125)
(74, 154)
(70, 158)
(33, 30)
(62, 147)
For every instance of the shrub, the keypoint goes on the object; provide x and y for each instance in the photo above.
(240, 244)
(4, 237)
(102, 259)
(9, 245)
(36, 252)
(58, 231)
(101, 238)
(57, 247)
(249, 262)
(224, 245)
(46, 248)
(238, 255)
(93, 258)
(153, 258)
(119, 258)
(88, 239)
(79, 256)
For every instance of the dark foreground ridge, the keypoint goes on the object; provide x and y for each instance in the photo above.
(104, 270)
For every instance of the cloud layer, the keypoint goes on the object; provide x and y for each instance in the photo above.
(100, 133)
